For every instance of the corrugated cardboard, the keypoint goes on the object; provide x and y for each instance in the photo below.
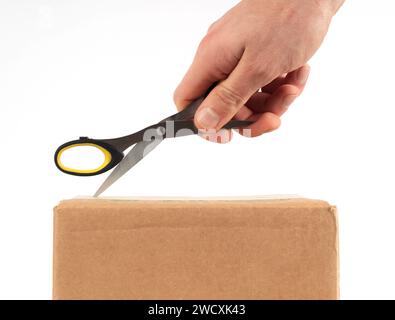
(195, 249)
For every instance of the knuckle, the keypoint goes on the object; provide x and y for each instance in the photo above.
(229, 97)
(205, 43)
(212, 27)
(210, 46)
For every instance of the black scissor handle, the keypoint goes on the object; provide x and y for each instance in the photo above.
(112, 156)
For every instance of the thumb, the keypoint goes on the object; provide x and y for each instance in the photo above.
(227, 98)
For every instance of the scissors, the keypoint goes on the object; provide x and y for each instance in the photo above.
(144, 141)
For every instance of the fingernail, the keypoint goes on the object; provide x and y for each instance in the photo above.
(303, 75)
(207, 118)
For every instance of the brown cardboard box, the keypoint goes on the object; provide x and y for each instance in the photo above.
(195, 249)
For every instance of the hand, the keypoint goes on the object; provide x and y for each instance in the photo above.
(258, 53)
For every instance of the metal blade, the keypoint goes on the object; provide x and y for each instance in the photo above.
(141, 149)
(136, 154)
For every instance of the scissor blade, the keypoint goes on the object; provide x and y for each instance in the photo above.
(135, 155)
(141, 149)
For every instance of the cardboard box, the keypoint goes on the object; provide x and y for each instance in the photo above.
(195, 249)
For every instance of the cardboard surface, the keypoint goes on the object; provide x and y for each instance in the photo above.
(195, 249)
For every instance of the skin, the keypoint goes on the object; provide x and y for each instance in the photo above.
(257, 53)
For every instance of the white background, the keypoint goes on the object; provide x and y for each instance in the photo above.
(109, 68)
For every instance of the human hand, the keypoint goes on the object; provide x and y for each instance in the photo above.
(257, 52)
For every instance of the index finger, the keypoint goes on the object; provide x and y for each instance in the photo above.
(209, 66)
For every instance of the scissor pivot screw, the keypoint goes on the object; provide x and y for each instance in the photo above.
(161, 131)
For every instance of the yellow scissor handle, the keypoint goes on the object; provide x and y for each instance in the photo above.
(111, 156)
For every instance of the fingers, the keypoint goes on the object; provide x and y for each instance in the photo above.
(297, 78)
(241, 80)
(211, 64)
(229, 96)
(272, 86)
(265, 108)
(277, 103)
(283, 96)
(263, 123)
